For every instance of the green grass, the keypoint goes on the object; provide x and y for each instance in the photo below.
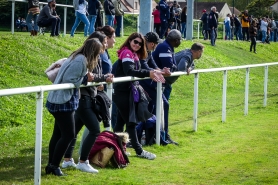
(243, 150)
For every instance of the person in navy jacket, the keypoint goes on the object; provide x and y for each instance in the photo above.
(213, 22)
(163, 55)
(164, 16)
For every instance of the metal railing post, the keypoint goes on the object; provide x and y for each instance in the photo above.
(246, 91)
(195, 109)
(122, 26)
(13, 7)
(65, 21)
(158, 111)
(38, 144)
(265, 84)
(224, 96)
(198, 31)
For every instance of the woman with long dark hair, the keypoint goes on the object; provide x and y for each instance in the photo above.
(62, 104)
(129, 55)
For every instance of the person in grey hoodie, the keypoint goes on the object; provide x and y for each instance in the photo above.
(62, 104)
(48, 17)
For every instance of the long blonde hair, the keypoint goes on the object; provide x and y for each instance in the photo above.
(91, 49)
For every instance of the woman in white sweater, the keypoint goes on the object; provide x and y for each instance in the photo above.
(80, 7)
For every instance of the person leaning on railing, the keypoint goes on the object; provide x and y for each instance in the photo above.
(62, 104)
(129, 54)
(49, 17)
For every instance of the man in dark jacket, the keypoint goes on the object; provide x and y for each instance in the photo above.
(164, 16)
(109, 10)
(47, 18)
(213, 22)
(93, 10)
(205, 19)
(164, 58)
(238, 29)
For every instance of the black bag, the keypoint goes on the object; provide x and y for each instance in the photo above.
(33, 3)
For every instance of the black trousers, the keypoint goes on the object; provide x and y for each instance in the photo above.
(121, 99)
(84, 115)
(245, 31)
(53, 22)
(63, 133)
(253, 43)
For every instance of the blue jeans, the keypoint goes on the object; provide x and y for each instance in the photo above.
(238, 33)
(183, 29)
(29, 22)
(80, 17)
(92, 19)
(119, 25)
(263, 36)
(228, 33)
(212, 36)
(110, 20)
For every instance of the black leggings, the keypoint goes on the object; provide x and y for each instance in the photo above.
(63, 133)
(84, 115)
(121, 99)
(253, 43)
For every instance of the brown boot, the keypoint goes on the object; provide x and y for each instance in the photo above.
(32, 33)
(35, 33)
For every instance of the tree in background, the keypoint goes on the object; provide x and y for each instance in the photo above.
(261, 8)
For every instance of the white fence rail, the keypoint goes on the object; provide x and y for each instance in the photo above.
(41, 89)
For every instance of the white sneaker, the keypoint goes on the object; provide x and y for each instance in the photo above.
(147, 155)
(67, 164)
(86, 167)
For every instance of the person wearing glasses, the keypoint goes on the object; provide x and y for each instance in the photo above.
(163, 55)
(129, 54)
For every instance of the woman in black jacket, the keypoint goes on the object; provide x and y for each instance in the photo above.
(129, 54)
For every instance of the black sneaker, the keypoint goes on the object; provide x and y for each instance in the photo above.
(170, 141)
(55, 170)
(128, 145)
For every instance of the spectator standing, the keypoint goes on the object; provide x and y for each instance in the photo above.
(253, 35)
(106, 66)
(238, 29)
(109, 10)
(118, 16)
(62, 104)
(183, 22)
(33, 13)
(273, 33)
(129, 54)
(48, 17)
(23, 25)
(157, 22)
(164, 16)
(245, 23)
(93, 9)
(85, 114)
(205, 22)
(227, 23)
(164, 57)
(80, 7)
(264, 26)
(99, 21)
(213, 23)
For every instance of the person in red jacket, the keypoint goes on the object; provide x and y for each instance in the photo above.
(156, 21)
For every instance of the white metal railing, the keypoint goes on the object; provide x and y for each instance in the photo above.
(41, 89)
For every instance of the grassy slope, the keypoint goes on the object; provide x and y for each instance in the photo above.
(242, 150)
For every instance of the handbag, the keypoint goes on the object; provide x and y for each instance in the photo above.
(102, 157)
(53, 69)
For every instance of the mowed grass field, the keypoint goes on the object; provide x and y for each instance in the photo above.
(242, 150)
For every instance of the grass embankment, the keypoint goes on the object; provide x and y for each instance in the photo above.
(240, 151)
